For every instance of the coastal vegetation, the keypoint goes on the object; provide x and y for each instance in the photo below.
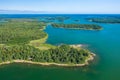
(78, 26)
(61, 54)
(25, 40)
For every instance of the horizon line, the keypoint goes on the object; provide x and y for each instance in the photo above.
(63, 13)
(5, 11)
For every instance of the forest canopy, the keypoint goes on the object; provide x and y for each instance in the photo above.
(20, 32)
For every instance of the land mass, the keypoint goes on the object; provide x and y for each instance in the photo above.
(24, 41)
(78, 26)
(52, 63)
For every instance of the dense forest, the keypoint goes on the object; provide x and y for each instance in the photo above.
(105, 20)
(78, 26)
(17, 32)
(61, 54)
(16, 35)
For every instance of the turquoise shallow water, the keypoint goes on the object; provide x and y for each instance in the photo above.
(105, 44)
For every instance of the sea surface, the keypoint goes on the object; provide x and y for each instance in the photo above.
(105, 44)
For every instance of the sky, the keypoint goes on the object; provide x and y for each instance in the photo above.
(63, 6)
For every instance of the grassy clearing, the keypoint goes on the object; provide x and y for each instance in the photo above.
(45, 46)
(40, 44)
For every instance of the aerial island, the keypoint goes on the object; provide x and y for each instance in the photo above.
(77, 26)
(105, 20)
(23, 40)
(60, 19)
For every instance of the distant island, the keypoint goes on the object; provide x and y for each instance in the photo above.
(105, 20)
(77, 26)
(23, 40)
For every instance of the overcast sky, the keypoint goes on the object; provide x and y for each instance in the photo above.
(64, 6)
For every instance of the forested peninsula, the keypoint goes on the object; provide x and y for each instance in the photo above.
(77, 26)
(23, 40)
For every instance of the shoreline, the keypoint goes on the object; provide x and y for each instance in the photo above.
(92, 55)
(76, 45)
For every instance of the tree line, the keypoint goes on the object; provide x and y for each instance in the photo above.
(78, 26)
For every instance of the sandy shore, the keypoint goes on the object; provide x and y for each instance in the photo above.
(76, 45)
(48, 64)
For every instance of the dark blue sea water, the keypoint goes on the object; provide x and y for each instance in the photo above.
(105, 44)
